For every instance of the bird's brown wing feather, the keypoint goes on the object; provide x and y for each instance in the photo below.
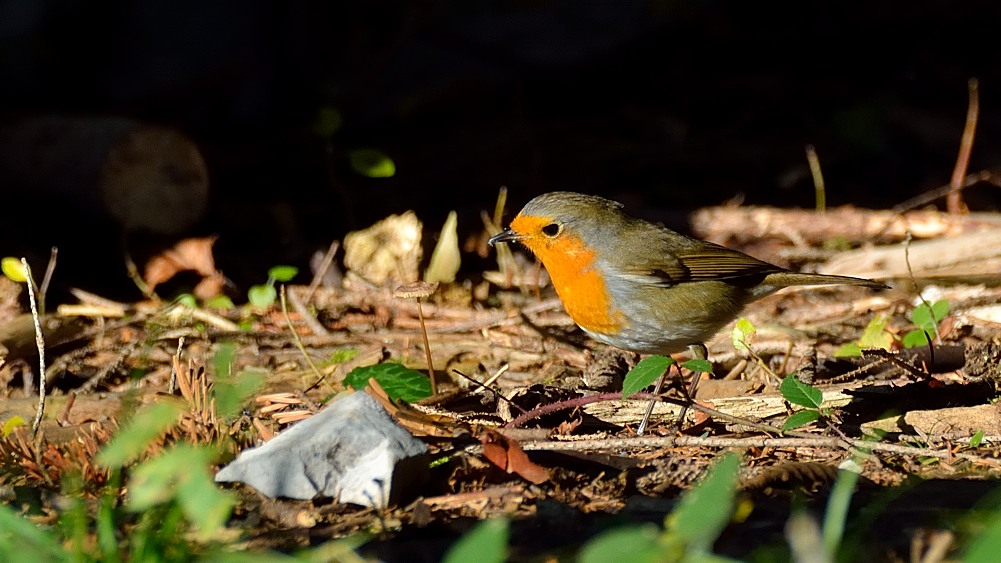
(706, 263)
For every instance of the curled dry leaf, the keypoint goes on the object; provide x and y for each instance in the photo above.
(505, 453)
(388, 250)
(192, 254)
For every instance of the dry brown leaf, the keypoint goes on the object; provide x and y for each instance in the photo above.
(192, 254)
(507, 454)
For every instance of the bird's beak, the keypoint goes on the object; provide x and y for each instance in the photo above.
(507, 235)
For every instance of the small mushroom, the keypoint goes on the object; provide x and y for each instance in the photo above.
(417, 290)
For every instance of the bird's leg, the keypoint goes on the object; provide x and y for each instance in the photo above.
(649, 407)
(699, 352)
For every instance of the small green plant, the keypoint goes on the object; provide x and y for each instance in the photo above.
(926, 317)
(265, 295)
(398, 381)
(485, 543)
(650, 368)
(875, 336)
(689, 531)
(804, 395)
(13, 269)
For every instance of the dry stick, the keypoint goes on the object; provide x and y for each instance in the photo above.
(583, 401)
(40, 344)
(942, 191)
(47, 278)
(792, 439)
(300, 307)
(298, 340)
(759, 442)
(173, 366)
(328, 259)
(820, 191)
(954, 201)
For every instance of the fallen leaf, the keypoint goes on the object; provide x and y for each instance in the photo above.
(188, 255)
(507, 454)
(389, 250)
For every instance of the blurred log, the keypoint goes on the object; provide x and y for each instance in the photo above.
(144, 176)
(806, 227)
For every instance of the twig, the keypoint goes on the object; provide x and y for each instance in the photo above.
(40, 344)
(173, 366)
(954, 201)
(819, 189)
(300, 307)
(328, 259)
(46, 279)
(751, 442)
(126, 350)
(298, 341)
(583, 401)
(942, 191)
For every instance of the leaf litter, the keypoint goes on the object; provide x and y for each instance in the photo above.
(529, 421)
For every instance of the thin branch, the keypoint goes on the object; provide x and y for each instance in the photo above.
(328, 260)
(751, 442)
(954, 201)
(173, 366)
(43, 289)
(298, 341)
(40, 344)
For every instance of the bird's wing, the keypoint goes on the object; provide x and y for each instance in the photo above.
(705, 263)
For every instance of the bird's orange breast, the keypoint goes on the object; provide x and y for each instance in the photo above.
(575, 274)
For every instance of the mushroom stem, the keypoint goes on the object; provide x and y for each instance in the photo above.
(427, 348)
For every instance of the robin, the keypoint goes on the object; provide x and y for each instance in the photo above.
(640, 286)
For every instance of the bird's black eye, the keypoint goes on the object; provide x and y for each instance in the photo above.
(552, 229)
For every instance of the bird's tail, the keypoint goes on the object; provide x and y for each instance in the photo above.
(787, 279)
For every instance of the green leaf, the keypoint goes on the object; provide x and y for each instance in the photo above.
(188, 300)
(182, 474)
(706, 509)
(915, 339)
(343, 355)
(485, 543)
(703, 366)
(940, 309)
(850, 350)
(399, 382)
(221, 302)
(986, 546)
(875, 334)
(232, 393)
(801, 418)
(838, 504)
(644, 374)
(222, 361)
(922, 318)
(977, 438)
(743, 331)
(262, 296)
(631, 544)
(283, 274)
(12, 423)
(372, 163)
(23, 540)
(799, 393)
(133, 439)
(13, 269)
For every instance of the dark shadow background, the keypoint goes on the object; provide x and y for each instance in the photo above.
(667, 105)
